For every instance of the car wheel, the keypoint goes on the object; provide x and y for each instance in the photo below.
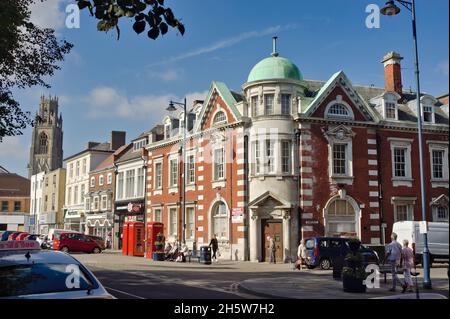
(97, 250)
(64, 249)
(325, 264)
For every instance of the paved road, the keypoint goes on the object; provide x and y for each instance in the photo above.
(144, 285)
(138, 278)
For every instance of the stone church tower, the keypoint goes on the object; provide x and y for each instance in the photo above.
(46, 153)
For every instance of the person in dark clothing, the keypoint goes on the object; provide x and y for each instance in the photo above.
(214, 244)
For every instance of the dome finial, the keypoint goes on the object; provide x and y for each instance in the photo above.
(274, 52)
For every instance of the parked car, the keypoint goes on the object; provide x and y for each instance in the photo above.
(437, 239)
(54, 231)
(22, 236)
(322, 251)
(75, 242)
(99, 240)
(27, 272)
(14, 235)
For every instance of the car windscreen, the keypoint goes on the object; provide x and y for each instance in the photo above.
(40, 278)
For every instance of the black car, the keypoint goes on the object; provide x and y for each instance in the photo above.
(322, 251)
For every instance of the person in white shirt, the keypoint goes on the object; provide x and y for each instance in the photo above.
(301, 254)
(393, 257)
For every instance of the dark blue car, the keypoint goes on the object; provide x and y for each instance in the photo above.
(322, 251)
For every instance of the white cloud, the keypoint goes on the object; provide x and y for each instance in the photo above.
(167, 75)
(229, 42)
(48, 14)
(443, 68)
(12, 148)
(107, 102)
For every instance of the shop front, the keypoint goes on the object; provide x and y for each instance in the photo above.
(100, 225)
(74, 220)
(126, 212)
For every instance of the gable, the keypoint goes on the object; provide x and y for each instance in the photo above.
(338, 95)
(219, 98)
(218, 105)
(339, 87)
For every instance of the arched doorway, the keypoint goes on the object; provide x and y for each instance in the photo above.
(341, 217)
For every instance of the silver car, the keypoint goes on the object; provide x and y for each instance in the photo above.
(46, 274)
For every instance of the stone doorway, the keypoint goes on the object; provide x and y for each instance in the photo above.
(274, 229)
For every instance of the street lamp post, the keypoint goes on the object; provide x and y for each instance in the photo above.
(390, 10)
(172, 108)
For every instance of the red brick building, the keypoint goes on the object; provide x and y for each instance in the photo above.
(292, 158)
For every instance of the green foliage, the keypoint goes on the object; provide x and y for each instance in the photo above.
(147, 13)
(27, 55)
(357, 273)
(354, 258)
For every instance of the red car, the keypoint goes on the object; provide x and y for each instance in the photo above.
(22, 236)
(75, 242)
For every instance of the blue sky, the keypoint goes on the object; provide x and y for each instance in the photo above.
(105, 84)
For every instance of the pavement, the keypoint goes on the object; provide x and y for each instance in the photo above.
(138, 278)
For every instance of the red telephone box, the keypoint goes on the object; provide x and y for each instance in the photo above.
(133, 235)
(155, 239)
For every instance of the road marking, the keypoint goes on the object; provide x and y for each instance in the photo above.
(125, 293)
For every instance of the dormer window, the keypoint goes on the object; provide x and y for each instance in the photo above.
(139, 144)
(389, 105)
(219, 118)
(391, 110)
(428, 113)
(166, 131)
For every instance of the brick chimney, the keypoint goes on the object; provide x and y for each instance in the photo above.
(393, 72)
(117, 139)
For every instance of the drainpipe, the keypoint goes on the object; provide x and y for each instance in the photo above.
(231, 196)
(144, 166)
(298, 133)
(246, 209)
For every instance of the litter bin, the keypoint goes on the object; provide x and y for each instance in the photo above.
(205, 255)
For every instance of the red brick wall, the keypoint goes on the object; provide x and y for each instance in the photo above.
(385, 179)
(393, 78)
(229, 193)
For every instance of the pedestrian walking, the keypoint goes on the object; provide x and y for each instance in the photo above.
(273, 249)
(407, 262)
(214, 244)
(393, 257)
(109, 240)
(301, 255)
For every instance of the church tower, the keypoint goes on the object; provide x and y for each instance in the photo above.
(46, 153)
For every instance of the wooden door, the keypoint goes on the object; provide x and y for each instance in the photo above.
(273, 229)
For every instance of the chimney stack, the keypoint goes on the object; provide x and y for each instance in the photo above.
(117, 139)
(393, 72)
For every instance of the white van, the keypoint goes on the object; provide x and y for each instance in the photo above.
(437, 239)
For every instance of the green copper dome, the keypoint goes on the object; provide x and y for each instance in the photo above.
(275, 67)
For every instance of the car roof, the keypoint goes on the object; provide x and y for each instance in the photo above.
(15, 257)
